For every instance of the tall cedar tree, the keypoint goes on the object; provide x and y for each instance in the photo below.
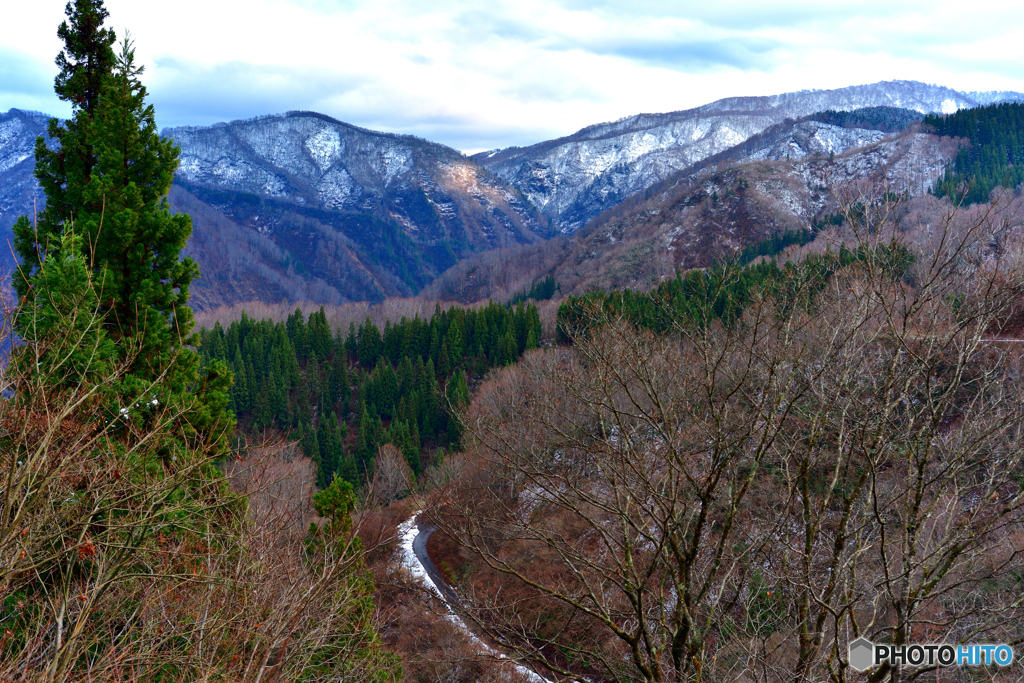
(106, 180)
(64, 171)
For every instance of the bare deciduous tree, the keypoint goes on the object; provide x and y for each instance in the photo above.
(121, 560)
(392, 477)
(738, 500)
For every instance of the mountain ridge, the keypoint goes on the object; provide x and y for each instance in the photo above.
(302, 205)
(337, 199)
(709, 212)
(574, 178)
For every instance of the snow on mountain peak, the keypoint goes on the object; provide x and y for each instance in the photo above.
(574, 178)
(324, 146)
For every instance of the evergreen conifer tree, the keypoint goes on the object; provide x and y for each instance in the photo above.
(85, 62)
(369, 344)
(330, 447)
(444, 364)
(351, 346)
(69, 307)
(106, 181)
(340, 381)
(262, 414)
(320, 340)
(458, 398)
(364, 447)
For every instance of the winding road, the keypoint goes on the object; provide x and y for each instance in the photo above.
(419, 548)
(412, 554)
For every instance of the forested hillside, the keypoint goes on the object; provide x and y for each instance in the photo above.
(344, 395)
(721, 292)
(995, 157)
(736, 474)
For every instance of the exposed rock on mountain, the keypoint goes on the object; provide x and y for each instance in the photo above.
(575, 178)
(694, 218)
(820, 134)
(18, 188)
(303, 207)
(344, 213)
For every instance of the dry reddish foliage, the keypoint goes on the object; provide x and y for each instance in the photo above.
(122, 563)
(738, 502)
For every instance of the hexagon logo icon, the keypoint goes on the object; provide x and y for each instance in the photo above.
(861, 651)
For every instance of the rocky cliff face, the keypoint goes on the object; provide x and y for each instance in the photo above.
(359, 214)
(575, 178)
(19, 192)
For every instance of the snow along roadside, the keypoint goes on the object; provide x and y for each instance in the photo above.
(407, 533)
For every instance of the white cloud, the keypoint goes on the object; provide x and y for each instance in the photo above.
(479, 75)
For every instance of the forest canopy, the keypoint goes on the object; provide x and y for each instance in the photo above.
(342, 396)
(992, 159)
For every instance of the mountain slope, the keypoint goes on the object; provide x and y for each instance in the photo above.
(19, 192)
(356, 214)
(303, 207)
(693, 218)
(575, 178)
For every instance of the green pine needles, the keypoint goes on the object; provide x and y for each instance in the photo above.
(343, 397)
(106, 179)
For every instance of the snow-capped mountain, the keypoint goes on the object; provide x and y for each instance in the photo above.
(18, 187)
(300, 206)
(312, 159)
(573, 179)
(360, 214)
(698, 216)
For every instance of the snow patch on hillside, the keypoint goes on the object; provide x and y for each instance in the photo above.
(325, 147)
(395, 161)
(15, 145)
(575, 178)
(337, 188)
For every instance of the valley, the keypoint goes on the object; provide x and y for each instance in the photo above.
(301, 207)
(699, 395)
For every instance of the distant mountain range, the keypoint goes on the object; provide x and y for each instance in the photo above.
(303, 207)
(326, 211)
(775, 183)
(19, 192)
(573, 179)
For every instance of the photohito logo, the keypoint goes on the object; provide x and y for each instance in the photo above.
(864, 654)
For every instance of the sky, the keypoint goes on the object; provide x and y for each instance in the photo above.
(479, 75)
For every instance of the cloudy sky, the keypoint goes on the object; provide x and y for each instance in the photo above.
(484, 74)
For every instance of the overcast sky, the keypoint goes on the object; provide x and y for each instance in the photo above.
(485, 74)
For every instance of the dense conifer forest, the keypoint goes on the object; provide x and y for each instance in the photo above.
(886, 119)
(344, 395)
(994, 157)
(721, 292)
(541, 290)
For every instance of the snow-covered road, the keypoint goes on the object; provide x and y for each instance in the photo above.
(412, 554)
